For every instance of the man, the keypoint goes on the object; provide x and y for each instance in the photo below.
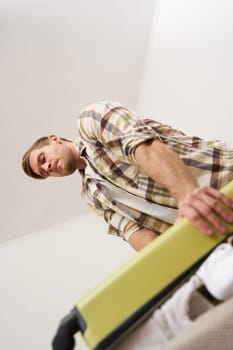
(139, 174)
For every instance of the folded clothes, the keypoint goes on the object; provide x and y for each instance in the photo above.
(186, 304)
(216, 273)
(166, 322)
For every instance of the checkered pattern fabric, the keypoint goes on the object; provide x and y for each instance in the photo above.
(108, 136)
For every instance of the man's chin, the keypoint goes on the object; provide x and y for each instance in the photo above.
(68, 172)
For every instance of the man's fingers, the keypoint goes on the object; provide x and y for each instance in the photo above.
(219, 195)
(214, 205)
(209, 214)
(207, 208)
(223, 213)
(196, 218)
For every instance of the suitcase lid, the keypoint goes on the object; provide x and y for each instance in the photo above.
(144, 281)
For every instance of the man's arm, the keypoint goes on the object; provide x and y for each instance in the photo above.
(136, 235)
(141, 238)
(197, 204)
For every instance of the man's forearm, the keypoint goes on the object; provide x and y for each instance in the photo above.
(205, 207)
(166, 168)
(142, 238)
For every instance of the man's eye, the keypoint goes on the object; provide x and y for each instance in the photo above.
(42, 159)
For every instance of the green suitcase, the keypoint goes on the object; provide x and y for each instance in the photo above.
(129, 295)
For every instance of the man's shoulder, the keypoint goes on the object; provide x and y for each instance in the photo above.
(90, 118)
(101, 108)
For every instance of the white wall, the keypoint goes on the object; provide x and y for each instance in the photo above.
(56, 57)
(188, 77)
(43, 275)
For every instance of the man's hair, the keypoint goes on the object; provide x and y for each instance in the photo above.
(41, 142)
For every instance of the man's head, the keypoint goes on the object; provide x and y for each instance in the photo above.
(51, 156)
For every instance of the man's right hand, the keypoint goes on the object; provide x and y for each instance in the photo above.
(208, 209)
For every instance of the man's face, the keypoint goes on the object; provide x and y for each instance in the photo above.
(55, 159)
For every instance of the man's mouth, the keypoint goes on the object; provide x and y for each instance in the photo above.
(58, 166)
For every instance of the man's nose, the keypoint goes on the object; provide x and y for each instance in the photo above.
(47, 167)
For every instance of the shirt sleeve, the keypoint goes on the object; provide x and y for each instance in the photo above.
(120, 226)
(115, 127)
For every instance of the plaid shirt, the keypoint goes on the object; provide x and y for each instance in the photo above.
(108, 136)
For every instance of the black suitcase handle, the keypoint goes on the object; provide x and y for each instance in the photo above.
(64, 338)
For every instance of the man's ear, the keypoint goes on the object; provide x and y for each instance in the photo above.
(54, 138)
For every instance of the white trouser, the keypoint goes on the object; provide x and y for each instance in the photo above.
(186, 304)
(217, 272)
